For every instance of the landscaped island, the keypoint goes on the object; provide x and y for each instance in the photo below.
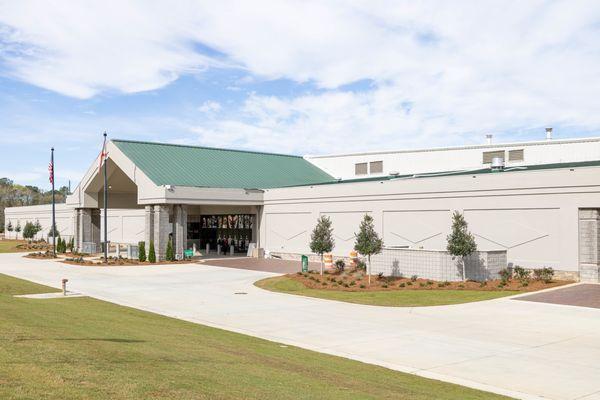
(352, 286)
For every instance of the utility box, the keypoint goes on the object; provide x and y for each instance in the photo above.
(88, 247)
(304, 263)
(133, 251)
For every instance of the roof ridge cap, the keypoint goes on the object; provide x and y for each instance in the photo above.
(205, 147)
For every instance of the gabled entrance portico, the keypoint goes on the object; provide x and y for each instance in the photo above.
(188, 216)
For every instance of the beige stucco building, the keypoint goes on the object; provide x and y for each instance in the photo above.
(541, 213)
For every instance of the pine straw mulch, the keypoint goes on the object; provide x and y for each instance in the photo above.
(113, 261)
(357, 281)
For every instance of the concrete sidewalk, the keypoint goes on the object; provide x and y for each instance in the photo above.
(522, 349)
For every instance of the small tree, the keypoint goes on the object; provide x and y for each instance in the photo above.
(18, 228)
(53, 232)
(169, 254)
(29, 230)
(10, 227)
(321, 239)
(461, 242)
(38, 226)
(368, 241)
(142, 251)
(151, 252)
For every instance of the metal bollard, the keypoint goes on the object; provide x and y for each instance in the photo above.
(64, 286)
(219, 249)
(207, 248)
(231, 250)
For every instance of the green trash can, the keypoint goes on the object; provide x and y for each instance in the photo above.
(187, 253)
(304, 263)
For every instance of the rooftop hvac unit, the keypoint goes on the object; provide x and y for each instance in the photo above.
(497, 164)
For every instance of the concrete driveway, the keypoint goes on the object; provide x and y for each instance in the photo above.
(523, 349)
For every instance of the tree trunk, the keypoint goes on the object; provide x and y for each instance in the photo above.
(321, 264)
(369, 268)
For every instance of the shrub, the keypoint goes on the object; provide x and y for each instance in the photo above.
(142, 251)
(409, 283)
(505, 275)
(324, 283)
(29, 230)
(461, 286)
(361, 265)
(414, 278)
(429, 283)
(402, 284)
(522, 274)
(169, 254)
(151, 253)
(544, 274)
(384, 285)
(340, 265)
(421, 284)
(362, 286)
(440, 285)
(483, 284)
(352, 283)
(346, 285)
(380, 276)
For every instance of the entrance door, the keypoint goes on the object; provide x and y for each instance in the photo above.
(226, 230)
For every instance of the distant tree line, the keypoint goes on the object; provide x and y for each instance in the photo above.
(15, 195)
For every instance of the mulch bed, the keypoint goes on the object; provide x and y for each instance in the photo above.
(39, 254)
(39, 246)
(120, 262)
(357, 281)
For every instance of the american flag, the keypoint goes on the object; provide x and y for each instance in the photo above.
(51, 171)
(103, 153)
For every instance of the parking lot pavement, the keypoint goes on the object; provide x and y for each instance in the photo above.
(523, 349)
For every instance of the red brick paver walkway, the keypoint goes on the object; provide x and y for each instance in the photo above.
(585, 295)
(260, 264)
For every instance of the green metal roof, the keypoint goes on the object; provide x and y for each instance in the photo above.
(178, 165)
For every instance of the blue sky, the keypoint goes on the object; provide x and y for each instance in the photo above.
(293, 77)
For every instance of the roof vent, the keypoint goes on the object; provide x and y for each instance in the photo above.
(488, 138)
(497, 164)
(548, 133)
(394, 173)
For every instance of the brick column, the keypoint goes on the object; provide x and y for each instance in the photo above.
(179, 229)
(162, 229)
(148, 226)
(589, 248)
(87, 223)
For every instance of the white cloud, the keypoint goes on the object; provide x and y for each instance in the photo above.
(210, 106)
(441, 72)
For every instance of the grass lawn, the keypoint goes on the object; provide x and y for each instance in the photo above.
(10, 246)
(80, 348)
(393, 298)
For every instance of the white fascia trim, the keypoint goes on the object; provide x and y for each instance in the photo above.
(466, 147)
